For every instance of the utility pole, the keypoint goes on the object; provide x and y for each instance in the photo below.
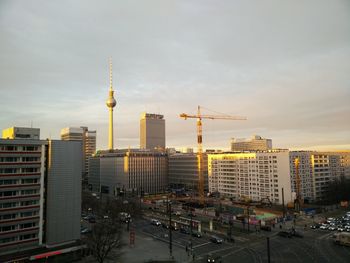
(170, 230)
(268, 249)
(191, 230)
(284, 210)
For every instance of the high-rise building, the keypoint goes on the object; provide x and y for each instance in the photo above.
(152, 131)
(255, 176)
(21, 133)
(88, 139)
(183, 171)
(129, 171)
(40, 195)
(255, 143)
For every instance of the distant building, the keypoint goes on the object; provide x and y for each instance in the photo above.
(21, 133)
(40, 195)
(255, 143)
(88, 139)
(183, 171)
(252, 176)
(131, 171)
(152, 131)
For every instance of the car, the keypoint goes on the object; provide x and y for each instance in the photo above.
(216, 240)
(155, 222)
(315, 226)
(332, 228)
(284, 234)
(185, 230)
(214, 259)
(324, 227)
(196, 234)
(85, 231)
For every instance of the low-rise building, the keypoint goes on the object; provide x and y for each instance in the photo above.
(183, 171)
(129, 171)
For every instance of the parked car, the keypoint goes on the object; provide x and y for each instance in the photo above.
(315, 226)
(214, 259)
(85, 231)
(332, 228)
(92, 219)
(196, 234)
(155, 222)
(216, 240)
(285, 234)
(324, 227)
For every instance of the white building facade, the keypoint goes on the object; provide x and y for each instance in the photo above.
(255, 176)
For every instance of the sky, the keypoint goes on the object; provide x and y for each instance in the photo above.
(285, 65)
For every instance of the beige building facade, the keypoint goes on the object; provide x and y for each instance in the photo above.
(254, 176)
(152, 131)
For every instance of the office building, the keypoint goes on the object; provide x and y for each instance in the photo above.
(255, 143)
(183, 171)
(252, 176)
(40, 194)
(21, 133)
(152, 131)
(130, 171)
(86, 137)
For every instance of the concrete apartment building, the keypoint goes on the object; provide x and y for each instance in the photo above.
(252, 175)
(317, 170)
(255, 143)
(40, 194)
(152, 131)
(88, 139)
(183, 171)
(129, 171)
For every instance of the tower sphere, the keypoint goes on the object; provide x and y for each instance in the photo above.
(111, 102)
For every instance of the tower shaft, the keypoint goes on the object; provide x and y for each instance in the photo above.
(110, 133)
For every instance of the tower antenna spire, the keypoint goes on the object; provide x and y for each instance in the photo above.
(110, 74)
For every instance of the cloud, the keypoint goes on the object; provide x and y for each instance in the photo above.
(282, 64)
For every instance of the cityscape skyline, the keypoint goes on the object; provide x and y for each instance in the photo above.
(289, 78)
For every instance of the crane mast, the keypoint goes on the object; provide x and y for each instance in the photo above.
(298, 200)
(199, 118)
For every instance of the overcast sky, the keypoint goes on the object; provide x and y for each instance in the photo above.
(285, 65)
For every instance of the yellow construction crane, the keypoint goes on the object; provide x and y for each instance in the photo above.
(199, 118)
(298, 200)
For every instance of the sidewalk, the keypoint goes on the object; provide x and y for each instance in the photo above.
(147, 248)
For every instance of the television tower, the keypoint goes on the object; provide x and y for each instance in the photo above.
(111, 102)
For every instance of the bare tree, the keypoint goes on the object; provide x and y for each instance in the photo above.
(105, 239)
(106, 235)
